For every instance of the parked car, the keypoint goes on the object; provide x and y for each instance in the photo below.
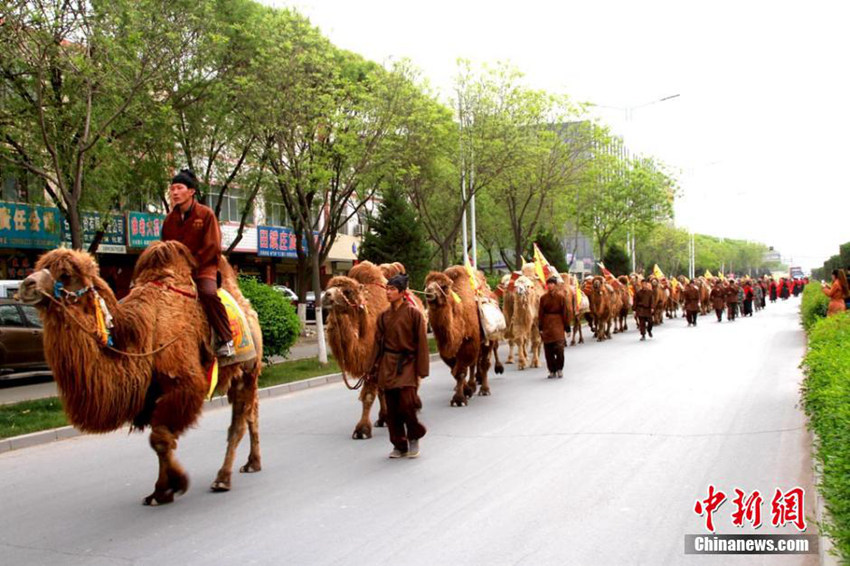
(288, 293)
(21, 344)
(310, 301)
(8, 288)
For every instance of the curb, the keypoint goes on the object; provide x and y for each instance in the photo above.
(54, 434)
(825, 545)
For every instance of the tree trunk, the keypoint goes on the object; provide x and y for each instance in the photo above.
(74, 225)
(320, 325)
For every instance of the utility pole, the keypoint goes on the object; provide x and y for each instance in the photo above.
(462, 177)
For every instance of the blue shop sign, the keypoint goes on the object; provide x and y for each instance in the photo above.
(29, 226)
(114, 236)
(277, 241)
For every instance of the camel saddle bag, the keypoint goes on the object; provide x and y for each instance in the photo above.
(243, 342)
(492, 320)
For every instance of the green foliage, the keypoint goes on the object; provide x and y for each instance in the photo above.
(826, 398)
(278, 319)
(813, 305)
(396, 235)
(617, 261)
(552, 249)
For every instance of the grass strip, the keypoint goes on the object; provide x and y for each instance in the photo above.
(43, 414)
(826, 399)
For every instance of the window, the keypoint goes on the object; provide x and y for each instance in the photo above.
(31, 315)
(276, 214)
(9, 316)
(231, 205)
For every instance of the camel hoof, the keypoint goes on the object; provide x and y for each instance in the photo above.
(361, 433)
(220, 486)
(155, 498)
(380, 423)
(250, 468)
(458, 402)
(485, 392)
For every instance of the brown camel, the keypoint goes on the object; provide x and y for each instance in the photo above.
(600, 307)
(704, 295)
(154, 374)
(621, 310)
(660, 300)
(453, 313)
(578, 308)
(355, 302)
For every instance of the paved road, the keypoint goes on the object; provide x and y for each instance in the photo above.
(602, 467)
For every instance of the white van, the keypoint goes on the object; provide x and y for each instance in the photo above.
(8, 288)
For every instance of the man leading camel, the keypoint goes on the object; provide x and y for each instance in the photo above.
(553, 324)
(401, 358)
(195, 226)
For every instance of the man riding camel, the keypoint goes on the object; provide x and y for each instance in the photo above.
(195, 226)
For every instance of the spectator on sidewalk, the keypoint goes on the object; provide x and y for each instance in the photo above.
(836, 292)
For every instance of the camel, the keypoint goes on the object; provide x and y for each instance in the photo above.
(522, 329)
(673, 298)
(600, 306)
(354, 303)
(154, 373)
(453, 312)
(660, 300)
(704, 295)
(621, 311)
(577, 310)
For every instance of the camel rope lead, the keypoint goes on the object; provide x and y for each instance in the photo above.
(94, 334)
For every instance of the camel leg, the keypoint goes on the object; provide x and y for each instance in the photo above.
(363, 429)
(459, 399)
(498, 367)
(510, 358)
(382, 409)
(172, 479)
(522, 356)
(242, 401)
(253, 418)
(535, 347)
(483, 368)
(471, 381)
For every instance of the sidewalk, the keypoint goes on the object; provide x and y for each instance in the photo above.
(10, 392)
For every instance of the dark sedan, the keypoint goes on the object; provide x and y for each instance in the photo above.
(21, 344)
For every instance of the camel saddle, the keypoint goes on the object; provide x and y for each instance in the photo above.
(243, 342)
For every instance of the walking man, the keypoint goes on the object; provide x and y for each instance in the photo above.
(645, 308)
(732, 300)
(400, 360)
(553, 323)
(718, 299)
(691, 295)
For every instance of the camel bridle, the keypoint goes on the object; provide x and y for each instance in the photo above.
(62, 296)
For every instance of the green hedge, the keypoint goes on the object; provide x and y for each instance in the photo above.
(278, 319)
(814, 304)
(826, 398)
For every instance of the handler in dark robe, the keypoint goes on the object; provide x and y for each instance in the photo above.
(691, 295)
(553, 323)
(773, 291)
(732, 300)
(196, 227)
(718, 300)
(644, 308)
(400, 360)
(749, 295)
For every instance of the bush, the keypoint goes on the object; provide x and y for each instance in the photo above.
(826, 398)
(278, 319)
(814, 304)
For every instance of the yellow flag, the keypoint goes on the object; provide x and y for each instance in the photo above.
(720, 274)
(212, 377)
(541, 266)
(708, 274)
(578, 297)
(472, 280)
(656, 271)
(674, 282)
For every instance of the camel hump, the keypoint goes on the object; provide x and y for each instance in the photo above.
(243, 342)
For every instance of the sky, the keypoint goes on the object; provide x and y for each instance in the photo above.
(758, 136)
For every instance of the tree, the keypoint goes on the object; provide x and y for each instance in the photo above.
(620, 194)
(616, 260)
(552, 249)
(78, 78)
(395, 234)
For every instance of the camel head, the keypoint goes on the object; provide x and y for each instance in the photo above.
(438, 289)
(60, 273)
(165, 259)
(344, 294)
(654, 282)
(597, 284)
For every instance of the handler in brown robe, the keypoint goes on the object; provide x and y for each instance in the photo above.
(400, 359)
(732, 301)
(644, 308)
(553, 323)
(691, 295)
(718, 300)
(195, 226)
